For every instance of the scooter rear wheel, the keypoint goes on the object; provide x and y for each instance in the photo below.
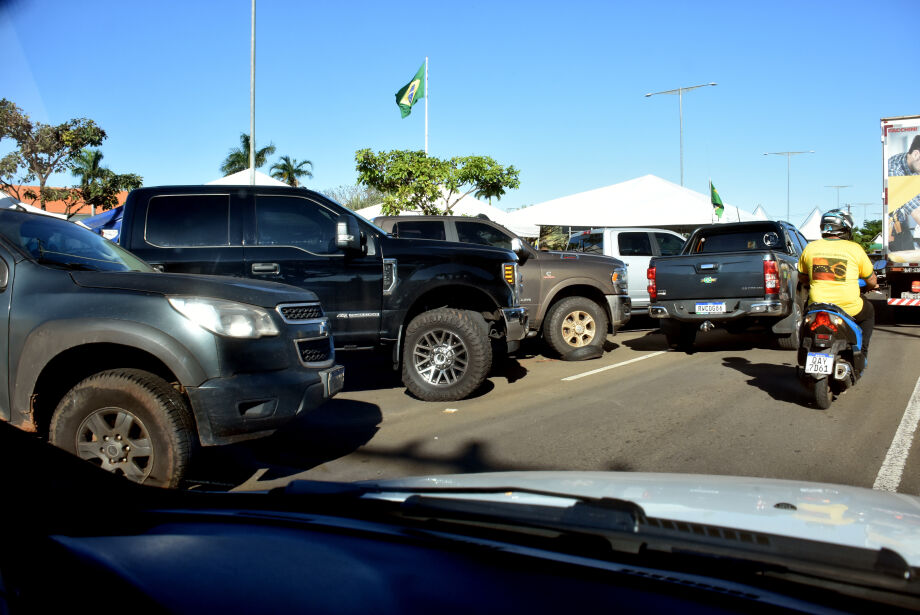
(823, 393)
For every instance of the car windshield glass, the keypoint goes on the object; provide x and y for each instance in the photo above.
(56, 242)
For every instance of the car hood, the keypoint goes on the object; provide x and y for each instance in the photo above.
(838, 514)
(252, 292)
(394, 246)
(582, 257)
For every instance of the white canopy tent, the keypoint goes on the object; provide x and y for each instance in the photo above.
(8, 202)
(241, 178)
(647, 201)
(470, 206)
(760, 213)
(811, 226)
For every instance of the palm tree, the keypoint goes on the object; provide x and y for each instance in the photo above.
(290, 171)
(238, 158)
(88, 166)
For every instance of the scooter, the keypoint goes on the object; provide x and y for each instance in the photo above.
(830, 358)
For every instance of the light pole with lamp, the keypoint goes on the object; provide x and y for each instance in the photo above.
(838, 193)
(680, 98)
(788, 156)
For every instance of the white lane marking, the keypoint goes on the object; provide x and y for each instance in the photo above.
(604, 369)
(889, 475)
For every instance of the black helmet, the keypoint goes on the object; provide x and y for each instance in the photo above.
(837, 223)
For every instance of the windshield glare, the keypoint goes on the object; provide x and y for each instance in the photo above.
(52, 241)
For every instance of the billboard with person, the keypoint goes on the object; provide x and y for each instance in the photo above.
(901, 184)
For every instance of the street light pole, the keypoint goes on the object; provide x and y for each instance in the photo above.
(788, 156)
(680, 99)
(838, 193)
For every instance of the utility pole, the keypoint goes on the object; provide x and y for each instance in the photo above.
(680, 98)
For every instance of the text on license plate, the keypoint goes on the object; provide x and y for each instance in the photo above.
(907, 295)
(710, 308)
(817, 363)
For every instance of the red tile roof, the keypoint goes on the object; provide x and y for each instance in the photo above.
(59, 207)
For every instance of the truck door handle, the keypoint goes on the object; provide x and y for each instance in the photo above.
(266, 268)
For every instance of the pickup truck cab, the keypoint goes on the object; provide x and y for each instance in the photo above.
(740, 276)
(573, 300)
(633, 246)
(132, 369)
(439, 306)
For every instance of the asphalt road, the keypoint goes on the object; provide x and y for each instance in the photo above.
(733, 406)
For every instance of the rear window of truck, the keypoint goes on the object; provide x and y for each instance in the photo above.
(737, 242)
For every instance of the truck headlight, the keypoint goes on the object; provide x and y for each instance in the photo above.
(620, 279)
(227, 318)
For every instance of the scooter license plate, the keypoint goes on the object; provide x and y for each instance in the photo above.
(817, 363)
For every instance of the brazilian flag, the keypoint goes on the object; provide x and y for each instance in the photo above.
(411, 92)
(716, 201)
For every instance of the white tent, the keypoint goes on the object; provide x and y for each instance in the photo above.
(644, 201)
(470, 206)
(8, 202)
(242, 179)
(760, 213)
(811, 226)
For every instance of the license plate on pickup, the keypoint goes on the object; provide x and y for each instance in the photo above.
(910, 295)
(333, 380)
(710, 308)
(817, 363)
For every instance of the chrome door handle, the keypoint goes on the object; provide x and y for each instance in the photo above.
(266, 268)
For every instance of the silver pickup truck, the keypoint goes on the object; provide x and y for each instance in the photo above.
(740, 276)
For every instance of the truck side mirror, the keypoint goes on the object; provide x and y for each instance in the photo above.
(348, 235)
(517, 246)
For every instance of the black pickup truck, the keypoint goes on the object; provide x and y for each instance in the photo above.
(132, 369)
(440, 306)
(572, 299)
(740, 276)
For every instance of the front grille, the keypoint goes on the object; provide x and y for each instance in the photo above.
(314, 351)
(296, 312)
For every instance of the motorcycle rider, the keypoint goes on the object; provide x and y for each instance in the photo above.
(832, 267)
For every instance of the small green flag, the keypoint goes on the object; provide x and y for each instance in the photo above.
(411, 92)
(716, 201)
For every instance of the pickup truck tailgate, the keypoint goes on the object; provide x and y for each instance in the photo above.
(713, 276)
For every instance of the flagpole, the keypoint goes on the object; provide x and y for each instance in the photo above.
(252, 100)
(426, 105)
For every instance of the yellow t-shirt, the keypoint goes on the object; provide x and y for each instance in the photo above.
(835, 265)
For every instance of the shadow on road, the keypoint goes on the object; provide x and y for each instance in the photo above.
(778, 381)
(333, 430)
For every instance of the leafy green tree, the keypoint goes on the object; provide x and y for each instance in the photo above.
(238, 158)
(355, 197)
(412, 180)
(290, 170)
(866, 234)
(42, 149)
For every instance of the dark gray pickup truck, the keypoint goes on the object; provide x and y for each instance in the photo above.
(740, 276)
(132, 369)
(572, 299)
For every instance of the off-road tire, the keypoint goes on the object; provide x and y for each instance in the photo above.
(573, 323)
(446, 354)
(679, 335)
(122, 414)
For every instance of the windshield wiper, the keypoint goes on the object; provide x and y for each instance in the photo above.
(623, 529)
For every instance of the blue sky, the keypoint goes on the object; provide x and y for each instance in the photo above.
(556, 89)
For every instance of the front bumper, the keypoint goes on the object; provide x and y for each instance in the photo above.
(685, 310)
(620, 310)
(253, 405)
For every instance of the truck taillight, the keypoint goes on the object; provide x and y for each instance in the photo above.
(770, 278)
(652, 288)
(915, 286)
